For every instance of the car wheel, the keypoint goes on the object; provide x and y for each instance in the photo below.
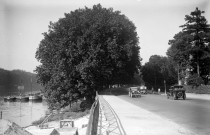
(184, 96)
(180, 95)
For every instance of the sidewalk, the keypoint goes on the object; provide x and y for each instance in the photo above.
(137, 121)
(198, 96)
(195, 96)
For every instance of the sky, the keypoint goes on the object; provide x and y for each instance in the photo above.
(22, 23)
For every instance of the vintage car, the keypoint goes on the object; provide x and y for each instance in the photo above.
(134, 92)
(143, 89)
(177, 91)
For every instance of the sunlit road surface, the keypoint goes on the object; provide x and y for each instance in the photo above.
(193, 114)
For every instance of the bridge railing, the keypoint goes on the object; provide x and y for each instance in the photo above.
(93, 119)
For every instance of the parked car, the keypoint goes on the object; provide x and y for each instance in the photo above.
(134, 92)
(177, 92)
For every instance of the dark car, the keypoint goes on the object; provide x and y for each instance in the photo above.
(177, 92)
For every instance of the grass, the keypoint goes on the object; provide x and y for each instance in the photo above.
(74, 112)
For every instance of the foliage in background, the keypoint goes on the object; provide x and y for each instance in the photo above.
(86, 51)
(157, 70)
(194, 80)
(10, 80)
(202, 89)
(190, 48)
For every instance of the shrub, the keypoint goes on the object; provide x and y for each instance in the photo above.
(194, 80)
(37, 122)
(74, 112)
(84, 105)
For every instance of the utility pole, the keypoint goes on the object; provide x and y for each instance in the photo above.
(178, 73)
(155, 78)
(165, 86)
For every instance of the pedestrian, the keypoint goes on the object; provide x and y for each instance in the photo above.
(159, 90)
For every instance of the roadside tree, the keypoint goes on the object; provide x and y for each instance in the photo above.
(86, 51)
(158, 70)
(190, 48)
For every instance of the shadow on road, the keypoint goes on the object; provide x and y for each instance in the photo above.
(115, 91)
(180, 99)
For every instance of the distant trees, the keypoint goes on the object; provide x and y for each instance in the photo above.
(85, 51)
(190, 48)
(10, 80)
(158, 70)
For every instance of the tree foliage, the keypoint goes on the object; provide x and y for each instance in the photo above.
(86, 50)
(157, 70)
(190, 48)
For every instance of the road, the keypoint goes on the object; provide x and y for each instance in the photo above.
(193, 114)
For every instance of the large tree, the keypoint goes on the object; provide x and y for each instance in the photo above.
(178, 53)
(86, 50)
(158, 70)
(190, 48)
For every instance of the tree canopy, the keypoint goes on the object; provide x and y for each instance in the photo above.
(85, 51)
(157, 70)
(190, 48)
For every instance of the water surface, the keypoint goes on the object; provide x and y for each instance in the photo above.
(23, 113)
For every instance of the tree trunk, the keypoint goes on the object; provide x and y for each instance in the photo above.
(70, 104)
(198, 69)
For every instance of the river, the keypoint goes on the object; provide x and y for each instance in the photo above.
(23, 113)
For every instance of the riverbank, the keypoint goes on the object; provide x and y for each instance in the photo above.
(23, 113)
(74, 119)
(80, 126)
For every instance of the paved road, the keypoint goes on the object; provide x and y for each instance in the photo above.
(193, 114)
